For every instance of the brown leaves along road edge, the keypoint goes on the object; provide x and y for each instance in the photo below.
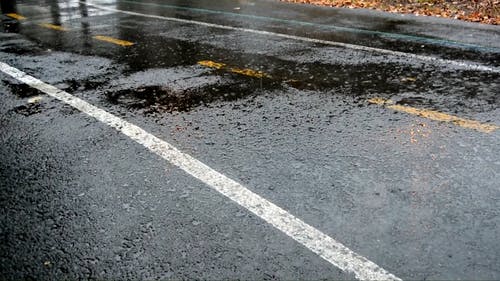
(482, 11)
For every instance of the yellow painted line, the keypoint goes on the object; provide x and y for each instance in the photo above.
(249, 72)
(113, 40)
(212, 64)
(437, 116)
(241, 71)
(16, 16)
(53, 26)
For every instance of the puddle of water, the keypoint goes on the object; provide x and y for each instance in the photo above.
(164, 99)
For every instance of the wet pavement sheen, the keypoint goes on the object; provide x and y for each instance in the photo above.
(289, 119)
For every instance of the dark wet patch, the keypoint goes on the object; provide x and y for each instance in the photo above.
(411, 101)
(22, 90)
(164, 99)
(484, 55)
(388, 79)
(342, 79)
(363, 81)
(68, 110)
(10, 26)
(77, 85)
(19, 46)
(28, 109)
(16, 50)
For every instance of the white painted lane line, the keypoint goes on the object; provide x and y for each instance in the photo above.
(459, 64)
(323, 245)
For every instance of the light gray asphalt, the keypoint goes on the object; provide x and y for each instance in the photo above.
(418, 197)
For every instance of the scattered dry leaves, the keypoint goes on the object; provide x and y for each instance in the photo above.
(483, 11)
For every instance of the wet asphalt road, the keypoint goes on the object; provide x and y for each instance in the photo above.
(288, 118)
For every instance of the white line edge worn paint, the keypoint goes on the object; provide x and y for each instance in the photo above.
(323, 245)
(468, 66)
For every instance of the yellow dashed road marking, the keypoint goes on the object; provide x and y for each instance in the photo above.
(113, 40)
(242, 71)
(53, 26)
(437, 116)
(16, 16)
(250, 72)
(212, 64)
